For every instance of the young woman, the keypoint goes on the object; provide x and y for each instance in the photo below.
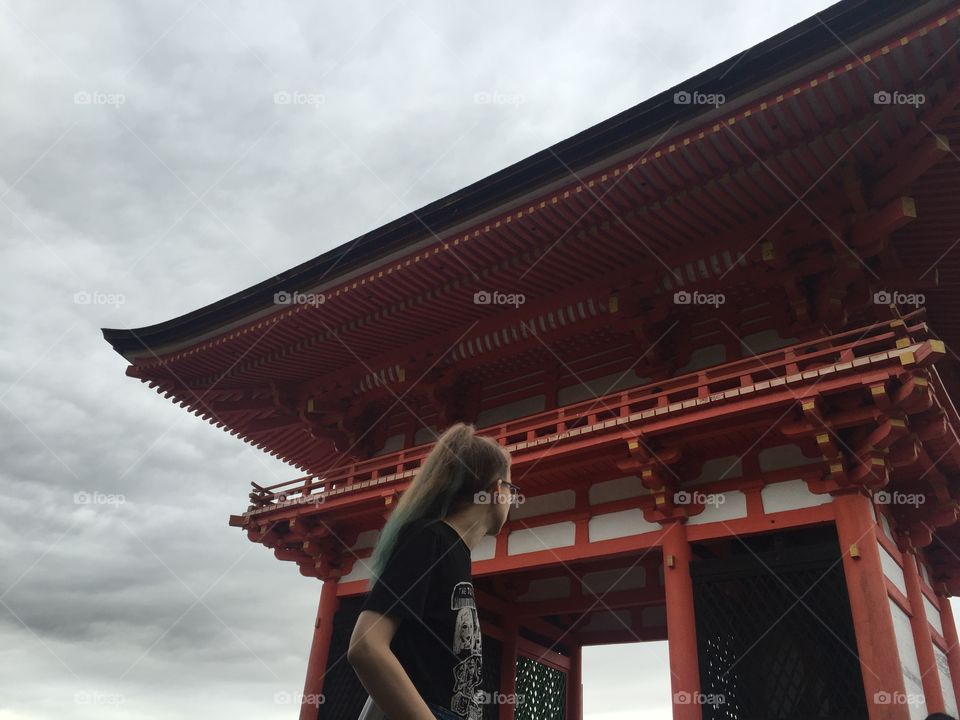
(416, 646)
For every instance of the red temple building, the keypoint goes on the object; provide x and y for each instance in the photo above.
(713, 331)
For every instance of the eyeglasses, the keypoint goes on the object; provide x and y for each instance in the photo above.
(514, 489)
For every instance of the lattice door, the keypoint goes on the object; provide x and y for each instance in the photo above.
(775, 636)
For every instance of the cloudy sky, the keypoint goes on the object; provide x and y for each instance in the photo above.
(147, 170)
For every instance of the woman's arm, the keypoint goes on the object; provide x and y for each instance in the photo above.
(379, 670)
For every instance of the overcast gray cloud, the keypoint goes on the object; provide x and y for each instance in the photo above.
(148, 167)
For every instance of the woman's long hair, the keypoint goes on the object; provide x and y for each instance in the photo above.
(460, 464)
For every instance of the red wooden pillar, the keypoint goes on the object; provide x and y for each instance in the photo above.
(508, 669)
(681, 624)
(575, 684)
(922, 638)
(319, 650)
(870, 607)
(953, 648)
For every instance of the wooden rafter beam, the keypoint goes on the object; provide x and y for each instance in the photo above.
(928, 153)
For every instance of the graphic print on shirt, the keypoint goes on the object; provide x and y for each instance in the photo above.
(467, 646)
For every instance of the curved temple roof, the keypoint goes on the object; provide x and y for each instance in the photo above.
(772, 60)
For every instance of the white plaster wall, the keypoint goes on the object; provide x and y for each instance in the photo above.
(893, 571)
(790, 495)
(619, 524)
(734, 506)
(486, 549)
(783, 456)
(722, 468)
(541, 538)
(511, 411)
(425, 435)
(909, 664)
(933, 614)
(946, 682)
(360, 571)
(765, 341)
(885, 526)
(366, 539)
(393, 443)
(535, 505)
(617, 489)
(704, 357)
(598, 387)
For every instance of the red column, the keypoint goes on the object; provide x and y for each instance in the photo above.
(922, 638)
(319, 650)
(953, 646)
(681, 624)
(575, 684)
(508, 668)
(870, 607)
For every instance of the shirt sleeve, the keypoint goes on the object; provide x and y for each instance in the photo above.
(402, 589)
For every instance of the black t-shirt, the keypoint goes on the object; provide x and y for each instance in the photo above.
(427, 585)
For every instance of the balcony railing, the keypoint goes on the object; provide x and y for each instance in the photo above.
(858, 347)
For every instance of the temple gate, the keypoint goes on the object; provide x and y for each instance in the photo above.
(713, 337)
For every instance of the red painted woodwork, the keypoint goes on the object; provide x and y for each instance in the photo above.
(876, 642)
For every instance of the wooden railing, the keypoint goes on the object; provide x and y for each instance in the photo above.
(689, 390)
